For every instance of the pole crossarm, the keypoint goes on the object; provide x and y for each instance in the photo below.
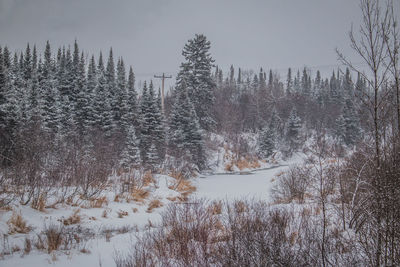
(162, 77)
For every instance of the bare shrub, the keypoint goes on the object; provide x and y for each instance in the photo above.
(292, 185)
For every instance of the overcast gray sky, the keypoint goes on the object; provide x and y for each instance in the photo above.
(151, 34)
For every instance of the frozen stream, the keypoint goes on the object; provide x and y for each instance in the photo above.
(256, 184)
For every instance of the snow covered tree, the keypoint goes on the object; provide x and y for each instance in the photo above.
(82, 105)
(102, 108)
(153, 159)
(195, 73)
(185, 135)
(293, 129)
(266, 142)
(340, 128)
(352, 133)
(131, 115)
(130, 156)
(289, 83)
(91, 85)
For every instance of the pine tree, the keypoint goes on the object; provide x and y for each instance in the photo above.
(147, 123)
(120, 96)
(3, 94)
(352, 128)
(293, 129)
(185, 135)
(195, 73)
(130, 156)
(27, 65)
(289, 83)
(153, 159)
(266, 142)
(340, 129)
(113, 94)
(91, 85)
(159, 131)
(131, 114)
(102, 108)
(82, 105)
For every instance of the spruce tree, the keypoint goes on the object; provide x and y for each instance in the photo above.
(352, 128)
(91, 87)
(102, 108)
(293, 129)
(130, 156)
(147, 123)
(195, 73)
(185, 134)
(266, 142)
(289, 83)
(131, 113)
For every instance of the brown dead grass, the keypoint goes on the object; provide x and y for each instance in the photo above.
(215, 208)
(122, 213)
(154, 204)
(17, 224)
(229, 167)
(148, 178)
(293, 238)
(240, 207)
(243, 163)
(98, 202)
(173, 199)
(176, 174)
(73, 219)
(139, 195)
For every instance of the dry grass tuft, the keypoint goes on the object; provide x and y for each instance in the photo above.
(98, 202)
(183, 186)
(54, 237)
(173, 199)
(122, 213)
(17, 224)
(148, 178)
(73, 219)
(135, 210)
(229, 167)
(154, 204)
(176, 174)
(105, 214)
(215, 208)
(85, 251)
(293, 238)
(240, 207)
(139, 194)
(27, 245)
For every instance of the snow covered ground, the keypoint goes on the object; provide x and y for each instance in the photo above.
(100, 250)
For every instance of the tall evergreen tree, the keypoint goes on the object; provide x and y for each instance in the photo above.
(293, 129)
(185, 135)
(195, 73)
(130, 156)
(102, 108)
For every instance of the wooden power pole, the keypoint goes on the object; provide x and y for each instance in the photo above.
(163, 77)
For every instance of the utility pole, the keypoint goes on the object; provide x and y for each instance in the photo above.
(163, 77)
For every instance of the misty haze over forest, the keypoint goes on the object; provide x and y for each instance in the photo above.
(199, 133)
